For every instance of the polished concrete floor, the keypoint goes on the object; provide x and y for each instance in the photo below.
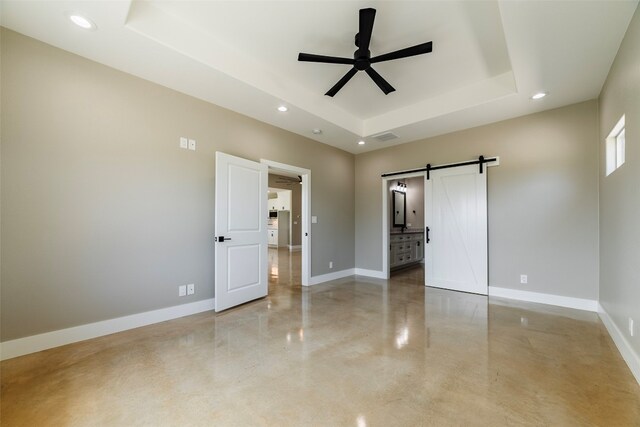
(355, 352)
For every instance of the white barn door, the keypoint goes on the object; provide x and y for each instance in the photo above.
(241, 231)
(456, 217)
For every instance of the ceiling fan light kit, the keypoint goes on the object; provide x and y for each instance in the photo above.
(362, 59)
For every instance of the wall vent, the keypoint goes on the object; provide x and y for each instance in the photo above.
(387, 136)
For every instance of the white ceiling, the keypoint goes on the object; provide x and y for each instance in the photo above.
(489, 57)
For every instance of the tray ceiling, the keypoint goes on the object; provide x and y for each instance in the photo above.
(489, 57)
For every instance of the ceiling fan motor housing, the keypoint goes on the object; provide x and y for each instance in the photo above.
(362, 60)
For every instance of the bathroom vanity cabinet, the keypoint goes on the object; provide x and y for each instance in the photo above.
(406, 248)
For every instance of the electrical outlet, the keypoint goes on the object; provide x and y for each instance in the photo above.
(191, 289)
(330, 264)
(630, 326)
(182, 290)
(184, 142)
(523, 278)
(192, 144)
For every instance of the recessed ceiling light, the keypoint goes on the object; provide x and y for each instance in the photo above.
(539, 95)
(316, 131)
(82, 22)
(283, 109)
(360, 142)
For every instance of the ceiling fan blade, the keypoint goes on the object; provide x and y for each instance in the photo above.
(381, 82)
(404, 53)
(309, 57)
(343, 81)
(367, 16)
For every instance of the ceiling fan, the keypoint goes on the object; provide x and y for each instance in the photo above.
(362, 59)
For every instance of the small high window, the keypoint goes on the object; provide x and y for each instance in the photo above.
(615, 147)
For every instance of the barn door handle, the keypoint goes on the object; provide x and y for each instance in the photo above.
(221, 239)
(428, 239)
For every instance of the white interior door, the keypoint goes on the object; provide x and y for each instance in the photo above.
(241, 231)
(456, 217)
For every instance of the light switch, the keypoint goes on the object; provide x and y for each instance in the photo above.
(314, 220)
(192, 144)
(184, 142)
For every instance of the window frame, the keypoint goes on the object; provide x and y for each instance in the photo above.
(615, 147)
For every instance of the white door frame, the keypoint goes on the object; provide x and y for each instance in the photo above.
(306, 212)
(385, 216)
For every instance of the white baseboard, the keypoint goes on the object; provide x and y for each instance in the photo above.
(295, 248)
(561, 301)
(35, 343)
(316, 280)
(370, 273)
(624, 347)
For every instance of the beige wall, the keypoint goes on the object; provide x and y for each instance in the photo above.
(620, 191)
(277, 181)
(543, 198)
(103, 215)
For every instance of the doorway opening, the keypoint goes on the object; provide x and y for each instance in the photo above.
(285, 210)
(288, 202)
(406, 227)
(403, 224)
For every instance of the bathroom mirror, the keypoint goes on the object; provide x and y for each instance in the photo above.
(399, 209)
